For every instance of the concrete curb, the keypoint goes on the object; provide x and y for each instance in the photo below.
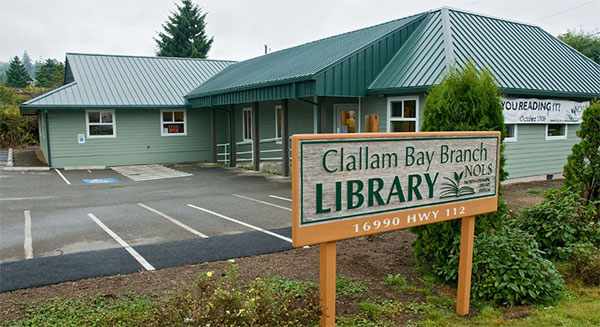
(84, 167)
(26, 168)
(9, 160)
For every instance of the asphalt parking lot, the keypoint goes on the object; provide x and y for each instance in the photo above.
(62, 225)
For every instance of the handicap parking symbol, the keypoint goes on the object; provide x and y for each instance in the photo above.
(100, 180)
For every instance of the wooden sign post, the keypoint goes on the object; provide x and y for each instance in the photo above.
(351, 185)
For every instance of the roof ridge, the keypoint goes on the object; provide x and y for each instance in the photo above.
(146, 57)
(47, 94)
(464, 11)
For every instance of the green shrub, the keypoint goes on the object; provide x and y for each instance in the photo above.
(465, 100)
(583, 262)
(509, 269)
(582, 171)
(16, 129)
(559, 221)
(232, 302)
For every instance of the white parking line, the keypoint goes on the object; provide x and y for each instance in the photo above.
(280, 198)
(242, 223)
(28, 246)
(63, 177)
(263, 202)
(124, 244)
(174, 221)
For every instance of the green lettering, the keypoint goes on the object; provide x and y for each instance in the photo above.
(320, 200)
(414, 181)
(325, 161)
(431, 183)
(352, 193)
(374, 193)
(409, 155)
(396, 190)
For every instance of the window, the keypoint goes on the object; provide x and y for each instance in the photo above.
(511, 133)
(278, 120)
(100, 123)
(402, 114)
(172, 122)
(247, 124)
(556, 132)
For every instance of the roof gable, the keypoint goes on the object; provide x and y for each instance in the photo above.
(297, 63)
(523, 58)
(128, 81)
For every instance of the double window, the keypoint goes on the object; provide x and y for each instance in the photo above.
(403, 114)
(100, 123)
(172, 122)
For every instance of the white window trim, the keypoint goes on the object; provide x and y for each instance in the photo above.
(87, 125)
(558, 137)
(278, 107)
(244, 123)
(404, 98)
(162, 133)
(514, 138)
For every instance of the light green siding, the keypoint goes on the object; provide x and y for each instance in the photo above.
(377, 104)
(532, 155)
(138, 140)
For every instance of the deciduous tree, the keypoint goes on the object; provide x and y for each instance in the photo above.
(585, 42)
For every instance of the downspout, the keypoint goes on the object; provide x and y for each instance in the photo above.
(47, 123)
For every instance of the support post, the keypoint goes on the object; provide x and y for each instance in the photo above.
(327, 253)
(323, 113)
(285, 139)
(213, 134)
(465, 266)
(233, 159)
(255, 137)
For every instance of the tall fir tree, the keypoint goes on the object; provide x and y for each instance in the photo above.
(50, 74)
(16, 75)
(184, 34)
(29, 67)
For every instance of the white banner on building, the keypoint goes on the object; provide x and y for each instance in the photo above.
(542, 111)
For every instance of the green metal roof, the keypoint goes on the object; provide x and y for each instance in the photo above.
(524, 59)
(127, 81)
(297, 63)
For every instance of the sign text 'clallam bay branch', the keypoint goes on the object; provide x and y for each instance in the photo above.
(398, 181)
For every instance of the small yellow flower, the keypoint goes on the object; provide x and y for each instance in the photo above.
(231, 261)
(209, 273)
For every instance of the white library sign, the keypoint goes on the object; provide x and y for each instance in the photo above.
(542, 111)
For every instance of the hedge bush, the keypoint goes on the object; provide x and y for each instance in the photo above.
(509, 269)
(559, 221)
(583, 263)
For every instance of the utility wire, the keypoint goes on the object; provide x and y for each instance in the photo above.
(564, 11)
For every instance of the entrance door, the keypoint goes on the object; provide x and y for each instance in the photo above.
(346, 118)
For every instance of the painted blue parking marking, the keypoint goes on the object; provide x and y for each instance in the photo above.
(100, 180)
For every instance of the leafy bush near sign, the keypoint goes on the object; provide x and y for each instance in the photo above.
(560, 221)
(509, 269)
(583, 263)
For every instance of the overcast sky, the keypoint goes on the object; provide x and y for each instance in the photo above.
(50, 28)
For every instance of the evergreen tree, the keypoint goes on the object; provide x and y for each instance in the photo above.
(16, 75)
(465, 100)
(50, 74)
(184, 34)
(28, 65)
(582, 172)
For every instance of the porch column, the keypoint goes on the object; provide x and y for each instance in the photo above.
(213, 134)
(285, 134)
(255, 137)
(323, 113)
(233, 159)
